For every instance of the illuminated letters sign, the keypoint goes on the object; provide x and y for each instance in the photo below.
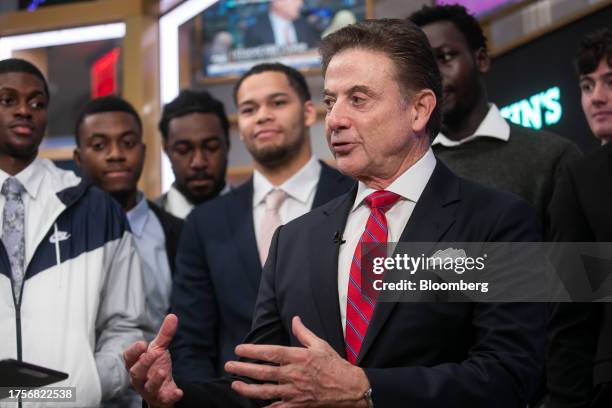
(543, 108)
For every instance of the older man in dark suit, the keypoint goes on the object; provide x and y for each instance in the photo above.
(316, 339)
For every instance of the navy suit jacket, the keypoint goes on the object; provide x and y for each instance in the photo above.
(414, 354)
(218, 274)
(261, 33)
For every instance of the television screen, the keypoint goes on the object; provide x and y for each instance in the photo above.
(236, 34)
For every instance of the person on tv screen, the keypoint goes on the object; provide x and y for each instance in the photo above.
(282, 26)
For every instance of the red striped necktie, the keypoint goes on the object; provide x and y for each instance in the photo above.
(360, 306)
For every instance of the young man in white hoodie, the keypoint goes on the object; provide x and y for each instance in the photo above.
(71, 290)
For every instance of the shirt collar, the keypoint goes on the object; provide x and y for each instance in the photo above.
(138, 215)
(299, 186)
(409, 186)
(493, 125)
(31, 177)
(226, 189)
(178, 202)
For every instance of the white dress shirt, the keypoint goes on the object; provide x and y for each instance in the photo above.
(409, 186)
(178, 205)
(40, 189)
(493, 125)
(300, 189)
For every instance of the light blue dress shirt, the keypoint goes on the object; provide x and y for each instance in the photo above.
(151, 246)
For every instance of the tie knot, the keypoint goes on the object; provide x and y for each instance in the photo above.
(275, 199)
(12, 187)
(381, 200)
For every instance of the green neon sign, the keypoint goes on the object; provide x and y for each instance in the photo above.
(543, 108)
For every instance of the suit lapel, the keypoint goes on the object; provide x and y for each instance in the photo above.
(329, 186)
(324, 262)
(431, 218)
(240, 218)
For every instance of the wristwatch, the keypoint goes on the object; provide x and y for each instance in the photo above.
(367, 396)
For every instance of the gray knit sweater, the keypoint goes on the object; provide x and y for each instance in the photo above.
(529, 164)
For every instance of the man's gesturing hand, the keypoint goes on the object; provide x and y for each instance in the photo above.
(313, 376)
(150, 367)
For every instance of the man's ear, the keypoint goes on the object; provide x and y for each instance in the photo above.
(423, 104)
(310, 114)
(482, 59)
(76, 156)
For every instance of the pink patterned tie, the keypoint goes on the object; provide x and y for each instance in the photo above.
(270, 222)
(360, 306)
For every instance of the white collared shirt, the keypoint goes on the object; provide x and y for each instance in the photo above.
(300, 188)
(493, 125)
(39, 190)
(409, 186)
(178, 205)
(283, 29)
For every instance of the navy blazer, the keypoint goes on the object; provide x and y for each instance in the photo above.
(218, 274)
(414, 354)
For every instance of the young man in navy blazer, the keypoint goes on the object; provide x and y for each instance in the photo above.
(223, 248)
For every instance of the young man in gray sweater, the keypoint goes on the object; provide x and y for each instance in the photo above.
(476, 142)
